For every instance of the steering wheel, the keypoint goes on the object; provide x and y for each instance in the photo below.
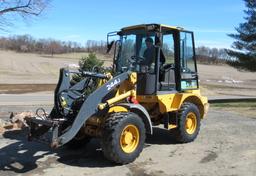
(136, 59)
(167, 67)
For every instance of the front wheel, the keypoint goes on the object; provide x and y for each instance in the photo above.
(188, 123)
(123, 137)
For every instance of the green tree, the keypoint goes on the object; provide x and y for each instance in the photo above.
(245, 40)
(87, 63)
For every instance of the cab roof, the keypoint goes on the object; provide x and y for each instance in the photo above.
(134, 27)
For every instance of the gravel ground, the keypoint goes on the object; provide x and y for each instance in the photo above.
(225, 146)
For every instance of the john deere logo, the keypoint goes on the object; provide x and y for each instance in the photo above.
(113, 83)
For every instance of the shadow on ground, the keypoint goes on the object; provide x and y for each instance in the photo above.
(22, 156)
(19, 156)
(161, 137)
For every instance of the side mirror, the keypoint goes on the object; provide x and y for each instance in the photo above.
(110, 45)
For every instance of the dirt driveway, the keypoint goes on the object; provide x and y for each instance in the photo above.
(225, 146)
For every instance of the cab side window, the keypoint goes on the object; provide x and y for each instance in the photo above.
(187, 53)
(167, 74)
(168, 48)
(188, 71)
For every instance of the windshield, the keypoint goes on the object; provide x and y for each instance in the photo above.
(137, 52)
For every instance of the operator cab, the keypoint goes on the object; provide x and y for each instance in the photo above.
(162, 56)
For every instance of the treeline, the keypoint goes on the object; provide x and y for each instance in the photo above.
(28, 44)
(206, 55)
(93, 46)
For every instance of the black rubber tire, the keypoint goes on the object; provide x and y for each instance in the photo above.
(113, 128)
(180, 133)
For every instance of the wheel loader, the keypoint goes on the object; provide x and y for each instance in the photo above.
(153, 81)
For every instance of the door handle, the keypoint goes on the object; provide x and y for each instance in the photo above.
(194, 75)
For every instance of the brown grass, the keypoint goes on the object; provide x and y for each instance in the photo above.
(25, 88)
(241, 108)
(38, 70)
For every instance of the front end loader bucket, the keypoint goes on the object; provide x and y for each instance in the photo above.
(44, 130)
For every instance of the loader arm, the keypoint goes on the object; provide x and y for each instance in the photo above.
(38, 127)
(90, 107)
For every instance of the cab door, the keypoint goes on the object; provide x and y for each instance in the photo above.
(188, 68)
(167, 71)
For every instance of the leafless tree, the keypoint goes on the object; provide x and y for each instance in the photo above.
(10, 10)
(208, 55)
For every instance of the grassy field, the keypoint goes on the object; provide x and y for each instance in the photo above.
(76, 56)
(25, 88)
(242, 108)
(27, 68)
(228, 89)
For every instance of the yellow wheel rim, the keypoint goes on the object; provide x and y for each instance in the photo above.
(129, 138)
(191, 123)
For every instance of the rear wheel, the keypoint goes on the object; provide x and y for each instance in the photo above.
(123, 137)
(188, 123)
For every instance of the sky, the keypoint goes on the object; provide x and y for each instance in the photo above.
(82, 20)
